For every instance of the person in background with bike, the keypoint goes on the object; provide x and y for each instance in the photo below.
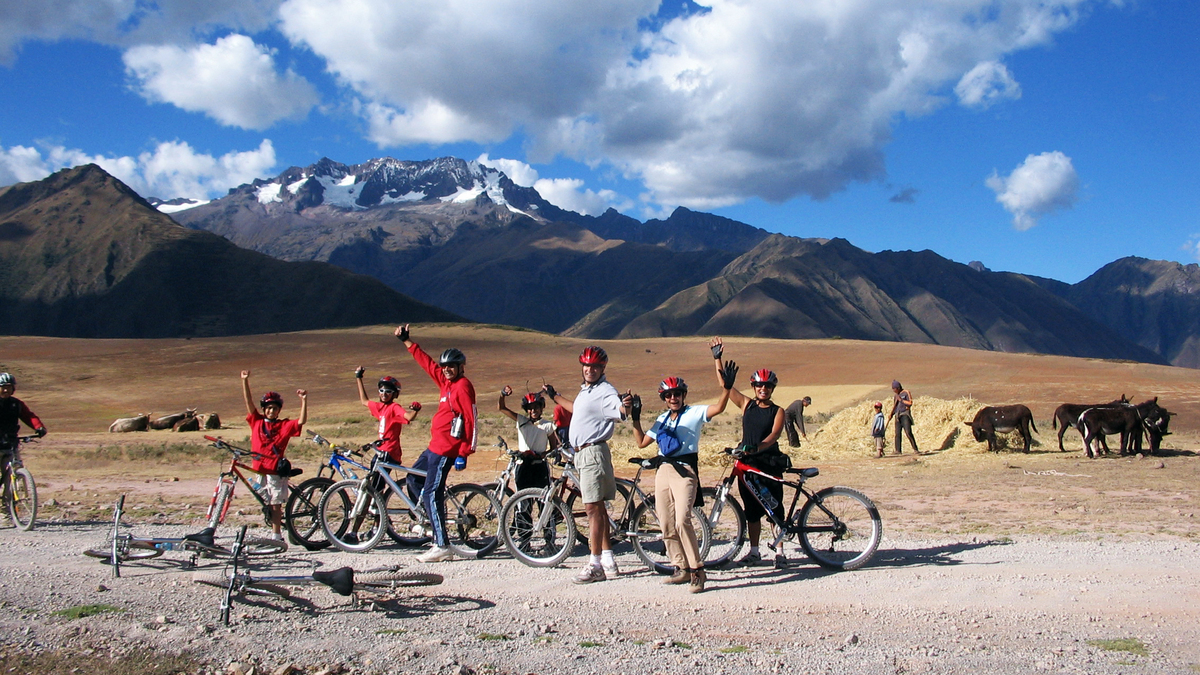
(452, 437)
(269, 438)
(902, 410)
(13, 411)
(594, 414)
(535, 438)
(677, 432)
(762, 423)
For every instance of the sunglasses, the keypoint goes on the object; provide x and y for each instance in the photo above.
(768, 385)
(388, 391)
(672, 394)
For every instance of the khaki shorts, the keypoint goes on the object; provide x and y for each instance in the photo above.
(596, 480)
(275, 489)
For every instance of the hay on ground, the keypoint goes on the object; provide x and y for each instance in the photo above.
(938, 425)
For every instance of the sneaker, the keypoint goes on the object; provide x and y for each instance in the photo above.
(610, 569)
(589, 574)
(350, 538)
(751, 559)
(698, 579)
(681, 576)
(436, 554)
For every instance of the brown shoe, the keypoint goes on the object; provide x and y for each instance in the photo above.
(681, 576)
(698, 579)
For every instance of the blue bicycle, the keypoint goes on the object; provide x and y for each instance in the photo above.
(302, 516)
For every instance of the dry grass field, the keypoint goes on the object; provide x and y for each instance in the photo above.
(79, 386)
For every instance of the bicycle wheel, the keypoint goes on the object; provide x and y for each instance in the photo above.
(647, 538)
(472, 521)
(302, 514)
(545, 546)
(221, 499)
(258, 546)
(388, 579)
(848, 528)
(350, 532)
(616, 508)
(126, 551)
(405, 526)
(22, 503)
(727, 523)
(221, 580)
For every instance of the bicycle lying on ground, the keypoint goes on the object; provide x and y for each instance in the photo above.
(302, 512)
(123, 548)
(538, 526)
(343, 581)
(223, 494)
(20, 492)
(838, 527)
(356, 513)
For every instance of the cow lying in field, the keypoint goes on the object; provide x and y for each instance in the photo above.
(169, 421)
(212, 421)
(1067, 416)
(125, 424)
(187, 424)
(1002, 418)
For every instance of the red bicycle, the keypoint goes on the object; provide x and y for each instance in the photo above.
(223, 494)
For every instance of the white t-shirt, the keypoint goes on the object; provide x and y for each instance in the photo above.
(690, 420)
(534, 436)
(596, 411)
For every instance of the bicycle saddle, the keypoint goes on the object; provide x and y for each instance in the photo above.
(294, 472)
(811, 472)
(340, 581)
(203, 537)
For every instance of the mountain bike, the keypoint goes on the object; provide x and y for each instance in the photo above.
(538, 525)
(344, 581)
(505, 484)
(355, 514)
(20, 492)
(123, 548)
(838, 527)
(302, 513)
(223, 494)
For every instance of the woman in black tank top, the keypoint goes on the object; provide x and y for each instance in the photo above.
(762, 423)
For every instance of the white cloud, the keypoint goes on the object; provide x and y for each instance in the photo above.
(173, 169)
(772, 98)
(986, 85)
(234, 81)
(1041, 185)
(565, 193)
(125, 22)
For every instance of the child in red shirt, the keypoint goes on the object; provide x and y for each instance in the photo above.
(269, 438)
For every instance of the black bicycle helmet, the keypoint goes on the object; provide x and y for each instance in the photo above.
(6, 379)
(452, 357)
(533, 400)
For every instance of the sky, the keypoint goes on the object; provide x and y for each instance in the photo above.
(1048, 137)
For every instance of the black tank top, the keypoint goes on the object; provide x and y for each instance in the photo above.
(757, 424)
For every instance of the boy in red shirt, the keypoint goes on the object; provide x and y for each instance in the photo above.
(452, 437)
(13, 411)
(269, 438)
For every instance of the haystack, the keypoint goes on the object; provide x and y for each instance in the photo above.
(938, 425)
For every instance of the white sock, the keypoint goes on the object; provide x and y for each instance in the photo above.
(594, 561)
(607, 557)
(754, 550)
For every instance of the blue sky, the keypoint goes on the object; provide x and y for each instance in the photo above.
(1041, 136)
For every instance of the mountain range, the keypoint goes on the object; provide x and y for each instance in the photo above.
(82, 255)
(461, 236)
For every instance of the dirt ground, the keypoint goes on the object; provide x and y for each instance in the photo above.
(1036, 558)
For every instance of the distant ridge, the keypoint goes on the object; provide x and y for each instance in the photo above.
(82, 255)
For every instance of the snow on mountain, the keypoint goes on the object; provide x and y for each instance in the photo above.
(175, 205)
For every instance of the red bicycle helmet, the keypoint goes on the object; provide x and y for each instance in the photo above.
(764, 376)
(593, 356)
(532, 401)
(671, 384)
(271, 398)
(390, 383)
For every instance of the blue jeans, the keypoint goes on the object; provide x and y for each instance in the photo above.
(432, 489)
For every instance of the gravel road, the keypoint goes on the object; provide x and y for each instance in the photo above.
(940, 606)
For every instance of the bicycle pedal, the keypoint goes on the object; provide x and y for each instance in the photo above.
(781, 563)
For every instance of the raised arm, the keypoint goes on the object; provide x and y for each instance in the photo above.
(728, 375)
(413, 408)
(502, 405)
(250, 408)
(717, 347)
(555, 397)
(303, 418)
(362, 388)
(635, 415)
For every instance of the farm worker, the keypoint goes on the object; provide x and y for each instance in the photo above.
(13, 411)
(452, 437)
(391, 415)
(535, 438)
(878, 425)
(793, 421)
(902, 411)
(677, 482)
(762, 423)
(269, 438)
(594, 414)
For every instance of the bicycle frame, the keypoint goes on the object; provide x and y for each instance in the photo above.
(231, 476)
(379, 468)
(785, 526)
(338, 456)
(14, 465)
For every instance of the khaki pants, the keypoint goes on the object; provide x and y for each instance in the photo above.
(673, 499)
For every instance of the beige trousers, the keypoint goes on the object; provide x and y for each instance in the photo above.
(673, 499)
